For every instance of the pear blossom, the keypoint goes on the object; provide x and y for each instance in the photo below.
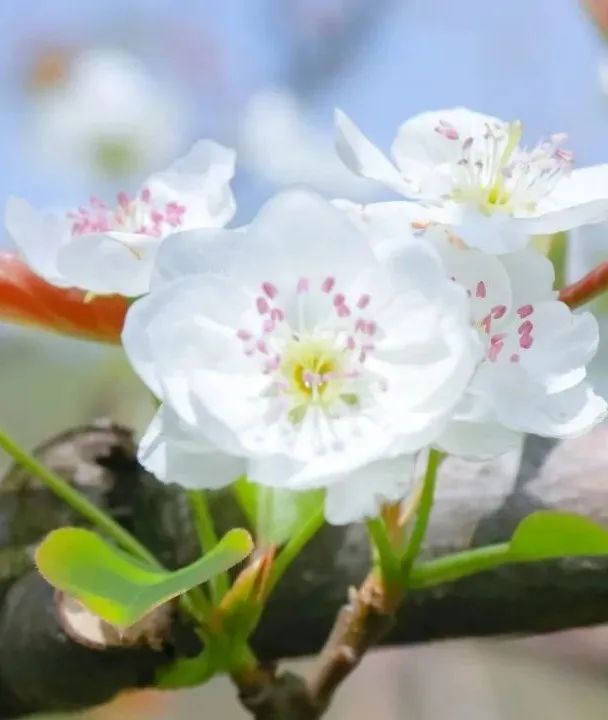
(301, 152)
(108, 249)
(470, 171)
(287, 351)
(532, 375)
(108, 118)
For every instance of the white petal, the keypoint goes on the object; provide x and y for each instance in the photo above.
(195, 252)
(38, 237)
(361, 494)
(364, 158)
(531, 276)
(522, 404)
(296, 234)
(168, 328)
(397, 219)
(483, 276)
(587, 247)
(474, 433)
(176, 453)
(426, 157)
(563, 342)
(580, 198)
(113, 262)
(497, 233)
(201, 181)
(300, 234)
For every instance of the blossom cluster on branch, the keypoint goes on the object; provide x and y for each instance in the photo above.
(319, 362)
(327, 344)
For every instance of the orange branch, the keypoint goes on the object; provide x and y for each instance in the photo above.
(591, 285)
(27, 299)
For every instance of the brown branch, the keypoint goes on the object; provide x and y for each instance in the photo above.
(593, 284)
(363, 622)
(44, 669)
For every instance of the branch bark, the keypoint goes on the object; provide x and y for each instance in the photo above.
(44, 669)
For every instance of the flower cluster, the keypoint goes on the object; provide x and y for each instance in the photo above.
(327, 344)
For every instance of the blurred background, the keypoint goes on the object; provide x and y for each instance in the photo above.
(96, 95)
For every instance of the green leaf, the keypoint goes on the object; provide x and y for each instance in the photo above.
(274, 513)
(550, 534)
(119, 588)
(543, 535)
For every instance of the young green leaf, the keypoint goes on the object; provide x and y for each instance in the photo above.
(543, 535)
(550, 534)
(119, 588)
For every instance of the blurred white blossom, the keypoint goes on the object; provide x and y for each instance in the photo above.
(279, 144)
(108, 119)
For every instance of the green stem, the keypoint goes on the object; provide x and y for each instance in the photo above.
(424, 511)
(205, 528)
(76, 500)
(294, 546)
(388, 559)
(458, 565)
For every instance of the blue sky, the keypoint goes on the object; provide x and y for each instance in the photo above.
(532, 59)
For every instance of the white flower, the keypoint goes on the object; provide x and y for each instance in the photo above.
(109, 119)
(471, 172)
(532, 377)
(108, 250)
(301, 153)
(288, 347)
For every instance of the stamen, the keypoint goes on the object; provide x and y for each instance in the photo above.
(328, 284)
(261, 346)
(303, 285)
(494, 350)
(262, 305)
(270, 290)
(123, 200)
(525, 328)
(525, 310)
(480, 290)
(525, 341)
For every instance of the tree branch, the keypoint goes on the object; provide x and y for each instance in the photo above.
(43, 668)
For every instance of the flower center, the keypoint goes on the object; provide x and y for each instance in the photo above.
(495, 174)
(318, 363)
(115, 157)
(140, 215)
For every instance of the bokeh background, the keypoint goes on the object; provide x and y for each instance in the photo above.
(97, 94)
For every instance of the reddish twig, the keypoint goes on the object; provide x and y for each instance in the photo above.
(582, 291)
(27, 299)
